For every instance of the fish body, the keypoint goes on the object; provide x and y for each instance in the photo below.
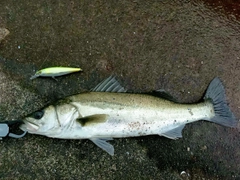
(55, 71)
(117, 115)
(111, 113)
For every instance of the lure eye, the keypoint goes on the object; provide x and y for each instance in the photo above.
(38, 72)
(38, 114)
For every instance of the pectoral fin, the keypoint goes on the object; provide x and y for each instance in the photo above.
(104, 145)
(174, 133)
(93, 119)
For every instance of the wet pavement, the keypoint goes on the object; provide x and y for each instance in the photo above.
(147, 45)
(230, 8)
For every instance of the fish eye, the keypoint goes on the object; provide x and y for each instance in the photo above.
(38, 114)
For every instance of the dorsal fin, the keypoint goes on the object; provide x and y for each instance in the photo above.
(109, 85)
(165, 95)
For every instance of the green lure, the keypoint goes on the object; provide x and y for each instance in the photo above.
(54, 72)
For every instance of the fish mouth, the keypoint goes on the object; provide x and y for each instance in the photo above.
(29, 126)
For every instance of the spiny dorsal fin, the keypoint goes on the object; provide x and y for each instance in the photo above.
(93, 119)
(109, 85)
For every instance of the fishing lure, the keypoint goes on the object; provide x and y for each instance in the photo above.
(54, 72)
(4, 129)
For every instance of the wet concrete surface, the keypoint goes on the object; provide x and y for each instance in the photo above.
(231, 8)
(179, 46)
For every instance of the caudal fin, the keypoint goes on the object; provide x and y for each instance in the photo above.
(223, 114)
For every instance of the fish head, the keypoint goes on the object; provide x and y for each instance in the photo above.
(41, 122)
(51, 121)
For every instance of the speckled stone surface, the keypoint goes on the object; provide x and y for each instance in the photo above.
(179, 46)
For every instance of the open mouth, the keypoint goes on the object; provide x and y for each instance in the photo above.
(29, 126)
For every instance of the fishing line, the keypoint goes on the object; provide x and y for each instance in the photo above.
(51, 23)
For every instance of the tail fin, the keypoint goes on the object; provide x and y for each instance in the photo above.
(216, 94)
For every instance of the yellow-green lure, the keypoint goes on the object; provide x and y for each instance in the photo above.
(54, 71)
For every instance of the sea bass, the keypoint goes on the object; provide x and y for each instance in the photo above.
(108, 112)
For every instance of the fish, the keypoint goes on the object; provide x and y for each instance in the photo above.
(108, 111)
(55, 71)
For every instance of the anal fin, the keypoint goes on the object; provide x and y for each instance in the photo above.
(174, 133)
(104, 145)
